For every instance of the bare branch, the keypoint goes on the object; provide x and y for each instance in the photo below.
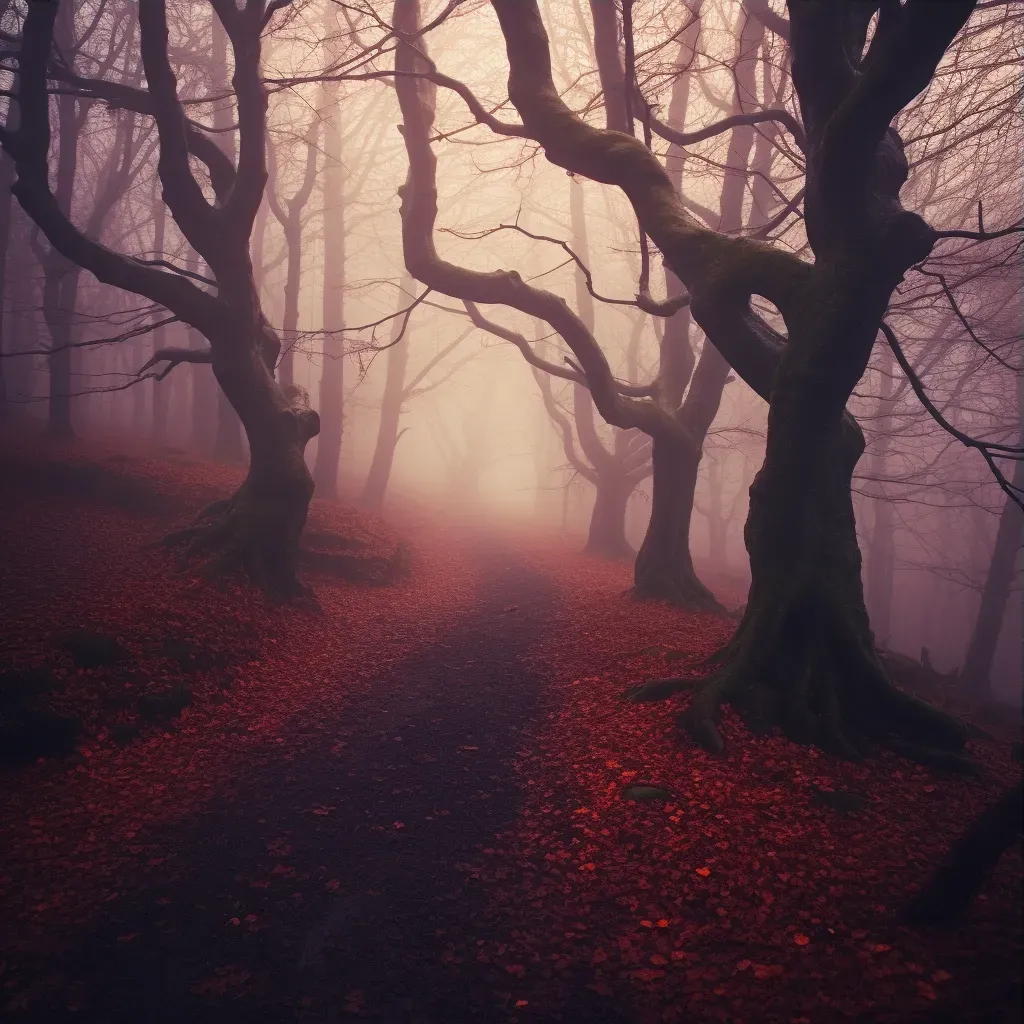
(988, 449)
(174, 357)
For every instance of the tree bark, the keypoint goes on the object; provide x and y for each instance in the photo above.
(882, 551)
(664, 566)
(160, 389)
(606, 537)
(332, 373)
(995, 595)
(969, 863)
(388, 433)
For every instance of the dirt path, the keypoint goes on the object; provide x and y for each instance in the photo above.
(329, 887)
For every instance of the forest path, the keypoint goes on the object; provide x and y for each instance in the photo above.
(271, 911)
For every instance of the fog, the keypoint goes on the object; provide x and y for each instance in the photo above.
(476, 439)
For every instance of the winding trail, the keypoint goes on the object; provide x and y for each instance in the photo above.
(368, 913)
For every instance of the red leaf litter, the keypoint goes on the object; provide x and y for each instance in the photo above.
(767, 907)
(76, 562)
(736, 897)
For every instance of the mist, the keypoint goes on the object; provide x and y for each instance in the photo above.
(351, 354)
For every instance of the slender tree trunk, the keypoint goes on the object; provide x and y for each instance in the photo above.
(290, 320)
(7, 176)
(160, 389)
(882, 550)
(718, 549)
(995, 595)
(606, 537)
(60, 277)
(21, 332)
(665, 571)
(388, 433)
(332, 373)
(59, 291)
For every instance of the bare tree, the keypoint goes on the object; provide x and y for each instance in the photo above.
(803, 656)
(259, 527)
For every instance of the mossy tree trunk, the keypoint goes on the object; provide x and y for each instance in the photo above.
(804, 655)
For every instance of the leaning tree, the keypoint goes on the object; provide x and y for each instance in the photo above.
(803, 656)
(258, 528)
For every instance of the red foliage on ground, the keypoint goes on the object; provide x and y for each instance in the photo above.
(741, 895)
(738, 895)
(76, 563)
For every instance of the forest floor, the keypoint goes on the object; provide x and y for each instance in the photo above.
(423, 802)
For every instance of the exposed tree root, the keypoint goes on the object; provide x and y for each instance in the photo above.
(969, 863)
(377, 570)
(677, 586)
(610, 550)
(810, 673)
(256, 532)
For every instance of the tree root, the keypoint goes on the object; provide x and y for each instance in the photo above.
(969, 863)
(821, 684)
(679, 590)
(251, 534)
(658, 689)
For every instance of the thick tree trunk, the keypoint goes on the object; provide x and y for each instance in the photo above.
(227, 446)
(204, 406)
(607, 535)
(803, 657)
(257, 530)
(664, 568)
(995, 595)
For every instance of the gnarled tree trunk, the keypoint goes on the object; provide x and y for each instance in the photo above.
(258, 528)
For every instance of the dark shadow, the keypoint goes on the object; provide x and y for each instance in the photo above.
(360, 903)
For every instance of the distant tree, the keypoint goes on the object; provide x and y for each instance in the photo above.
(258, 528)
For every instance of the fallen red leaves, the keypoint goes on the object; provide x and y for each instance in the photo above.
(72, 561)
(776, 904)
(723, 891)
